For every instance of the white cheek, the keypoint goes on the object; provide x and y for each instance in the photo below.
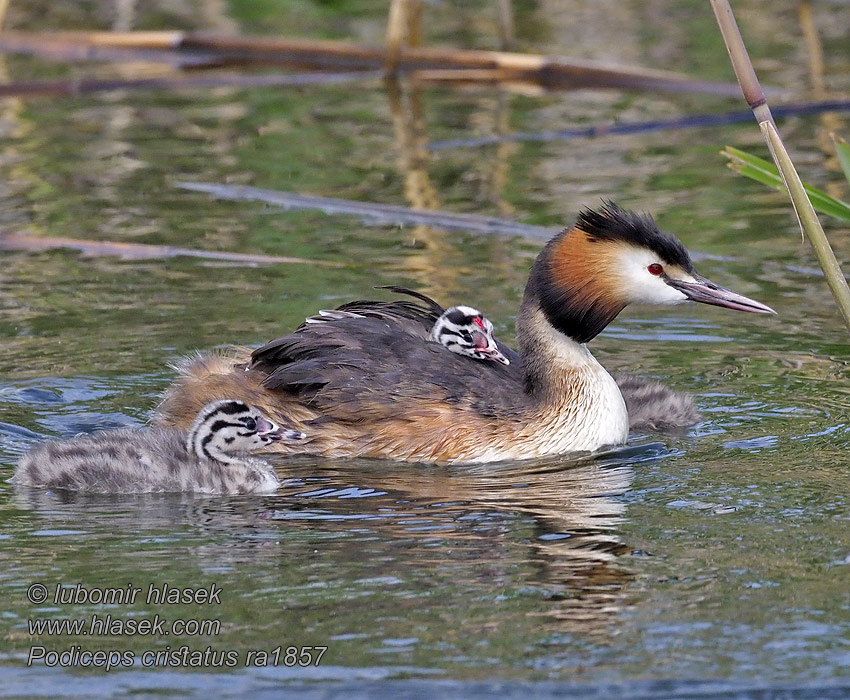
(640, 285)
(656, 291)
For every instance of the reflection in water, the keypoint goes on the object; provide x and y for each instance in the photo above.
(552, 524)
(436, 262)
(406, 108)
(495, 170)
(570, 504)
(830, 122)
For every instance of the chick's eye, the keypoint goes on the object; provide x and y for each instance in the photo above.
(655, 269)
(250, 423)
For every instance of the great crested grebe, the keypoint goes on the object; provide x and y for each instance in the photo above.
(212, 457)
(365, 384)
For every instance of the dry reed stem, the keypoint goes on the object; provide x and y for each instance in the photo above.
(803, 209)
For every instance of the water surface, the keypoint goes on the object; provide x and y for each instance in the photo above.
(711, 562)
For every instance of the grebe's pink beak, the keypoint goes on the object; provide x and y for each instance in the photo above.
(705, 291)
(486, 348)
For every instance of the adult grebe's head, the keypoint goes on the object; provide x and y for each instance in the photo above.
(611, 258)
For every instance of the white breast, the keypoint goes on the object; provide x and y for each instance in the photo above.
(590, 414)
(597, 418)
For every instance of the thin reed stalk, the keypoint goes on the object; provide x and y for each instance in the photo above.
(757, 101)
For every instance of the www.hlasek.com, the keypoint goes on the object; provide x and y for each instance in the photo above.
(109, 625)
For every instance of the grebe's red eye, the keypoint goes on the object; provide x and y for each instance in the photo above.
(478, 322)
(655, 269)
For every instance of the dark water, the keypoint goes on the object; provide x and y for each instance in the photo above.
(713, 563)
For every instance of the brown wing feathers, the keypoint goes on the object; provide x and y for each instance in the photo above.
(378, 365)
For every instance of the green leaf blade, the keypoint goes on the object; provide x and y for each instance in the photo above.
(842, 149)
(765, 172)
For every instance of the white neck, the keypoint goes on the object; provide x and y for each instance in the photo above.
(560, 347)
(581, 406)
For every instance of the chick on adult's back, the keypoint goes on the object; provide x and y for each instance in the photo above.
(212, 457)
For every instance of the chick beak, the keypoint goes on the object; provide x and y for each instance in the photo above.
(485, 348)
(706, 292)
(270, 432)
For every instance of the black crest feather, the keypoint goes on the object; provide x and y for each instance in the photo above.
(611, 223)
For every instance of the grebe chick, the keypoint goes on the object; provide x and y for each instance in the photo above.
(211, 457)
(653, 406)
(466, 331)
(362, 383)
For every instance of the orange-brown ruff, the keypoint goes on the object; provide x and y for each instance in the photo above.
(366, 381)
